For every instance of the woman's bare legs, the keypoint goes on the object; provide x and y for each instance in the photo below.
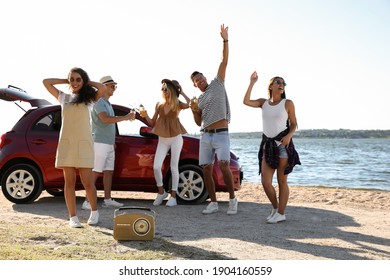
(284, 191)
(267, 172)
(69, 190)
(87, 180)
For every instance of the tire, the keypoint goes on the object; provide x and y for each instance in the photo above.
(191, 189)
(56, 192)
(22, 183)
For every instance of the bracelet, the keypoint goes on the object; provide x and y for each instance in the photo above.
(225, 41)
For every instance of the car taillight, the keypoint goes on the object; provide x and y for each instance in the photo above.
(3, 141)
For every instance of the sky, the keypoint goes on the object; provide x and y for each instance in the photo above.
(333, 55)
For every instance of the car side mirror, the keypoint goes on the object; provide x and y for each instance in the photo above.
(146, 131)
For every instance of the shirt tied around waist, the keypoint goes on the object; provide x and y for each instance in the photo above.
(269, 149)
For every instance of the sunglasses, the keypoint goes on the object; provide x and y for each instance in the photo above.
(78, 80)
(113, 86)
(164, 89)
(280, 82)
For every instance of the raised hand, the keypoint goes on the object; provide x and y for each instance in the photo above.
(254, 77)
(224, 32)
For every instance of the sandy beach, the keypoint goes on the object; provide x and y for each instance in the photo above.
(322, 223)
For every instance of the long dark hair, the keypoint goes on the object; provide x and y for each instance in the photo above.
(270, 91)
(87, 93)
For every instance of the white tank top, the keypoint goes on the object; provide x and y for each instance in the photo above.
(274, 118)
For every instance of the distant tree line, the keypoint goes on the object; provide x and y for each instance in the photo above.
(324, 133)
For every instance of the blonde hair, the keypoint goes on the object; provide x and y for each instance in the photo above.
(173, 99)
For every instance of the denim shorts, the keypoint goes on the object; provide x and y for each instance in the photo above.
(214, 143)
(282, 151)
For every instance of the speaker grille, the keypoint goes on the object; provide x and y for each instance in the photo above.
(141, 227)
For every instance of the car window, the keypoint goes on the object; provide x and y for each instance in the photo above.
(49, 122)
(52, 122)
(127, 127)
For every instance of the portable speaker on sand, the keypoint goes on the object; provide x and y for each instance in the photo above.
(134, 223)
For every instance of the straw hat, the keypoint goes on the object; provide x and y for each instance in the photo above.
(107, 80)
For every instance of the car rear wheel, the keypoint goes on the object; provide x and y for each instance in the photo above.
(21, 183)
(191, 189)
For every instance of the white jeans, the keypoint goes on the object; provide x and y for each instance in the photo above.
(175, 144)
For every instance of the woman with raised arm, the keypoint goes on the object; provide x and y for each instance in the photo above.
(277, 151)
(75, 147)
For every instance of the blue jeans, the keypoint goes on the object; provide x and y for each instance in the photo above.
(214, 143)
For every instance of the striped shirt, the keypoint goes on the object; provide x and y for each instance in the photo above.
(214, 103)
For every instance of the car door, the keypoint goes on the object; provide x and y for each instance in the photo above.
(134, 155)
(42, 140)
(134, 162)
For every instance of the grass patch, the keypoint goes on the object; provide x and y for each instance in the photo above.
(45, 242)
(37, 242)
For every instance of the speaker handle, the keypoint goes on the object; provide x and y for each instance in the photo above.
(134, 208)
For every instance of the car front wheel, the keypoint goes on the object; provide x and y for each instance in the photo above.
(191, 189)
(21, 183)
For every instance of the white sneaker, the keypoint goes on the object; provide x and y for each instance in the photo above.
(159, 199)
(74, 222)
(277, 218)
(171, 202)
(111, 203)
(233, 204)
(93, 218)
(273, 211)
(211, 208)
(86, 205)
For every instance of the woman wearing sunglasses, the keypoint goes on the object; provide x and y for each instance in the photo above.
(75, 152)
(167, 126)
(277, 151)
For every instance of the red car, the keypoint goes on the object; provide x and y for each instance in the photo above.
(27, 155)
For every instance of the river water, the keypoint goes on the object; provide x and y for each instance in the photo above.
(347, 163)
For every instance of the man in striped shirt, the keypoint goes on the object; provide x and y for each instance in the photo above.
(212, 114)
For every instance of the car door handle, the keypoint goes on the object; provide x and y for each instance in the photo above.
(39, 141)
